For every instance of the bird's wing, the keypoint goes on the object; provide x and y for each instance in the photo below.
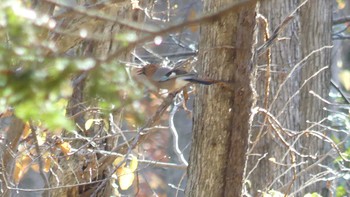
(160, 73)
(177, 73)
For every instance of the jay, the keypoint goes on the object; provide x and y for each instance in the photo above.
(170, 79)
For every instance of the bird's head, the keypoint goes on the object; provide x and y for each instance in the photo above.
(147, 70)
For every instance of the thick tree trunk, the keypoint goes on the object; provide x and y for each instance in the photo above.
(222, 116)
(310, 30)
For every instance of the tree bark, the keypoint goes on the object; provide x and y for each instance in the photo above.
(8, 154)
(294, 106)
(222, 117)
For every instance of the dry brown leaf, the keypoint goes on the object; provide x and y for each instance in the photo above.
(125, 173)
(6, 113)
(18, 173)
(21, 167)
(65, 148)
(26, 131)
(47, 164)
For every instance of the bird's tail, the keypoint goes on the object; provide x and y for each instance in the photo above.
(202, 81)
(221, 83)
(194, 79)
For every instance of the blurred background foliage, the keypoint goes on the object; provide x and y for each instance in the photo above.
(339, 114)
(37, 82)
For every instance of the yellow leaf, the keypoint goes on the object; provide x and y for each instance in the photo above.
(47, 164)
(89, 123)
(125, 178)
(18, 173)
(21, 167)
(26, 131)
(341, 4)
(117, 162)
(125, 171)
(344, 77)
(25, 161)
(106, 125)
(133, 163)
(130, 163)
(41, 138)
(65, 147)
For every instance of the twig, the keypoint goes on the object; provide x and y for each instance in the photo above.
(105, 161)
(298, 65)
(299, 89)
(341, 20)
(54, 188)
(175, 135)
(341, 37)
(278, 130)
(37, 148)
(340, 91)
(234, 7)
(255, 166)
(278, 30)
(164, 164)
(93, 14)
(178, 185)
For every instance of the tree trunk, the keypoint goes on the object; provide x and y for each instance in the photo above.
(222, 117)
(294, 106)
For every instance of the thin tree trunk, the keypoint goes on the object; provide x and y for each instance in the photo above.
(222, 116)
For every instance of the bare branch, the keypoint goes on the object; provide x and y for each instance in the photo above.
(340, 91)
(341, 37)
(105, 161)
(93, 14)
(341, 20)
(164, 164)
(234, 7)
(278, 30)
(176, 135)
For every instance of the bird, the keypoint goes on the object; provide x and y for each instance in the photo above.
(171, 79)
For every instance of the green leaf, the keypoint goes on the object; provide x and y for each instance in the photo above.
(341, 191)
(312, 195)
